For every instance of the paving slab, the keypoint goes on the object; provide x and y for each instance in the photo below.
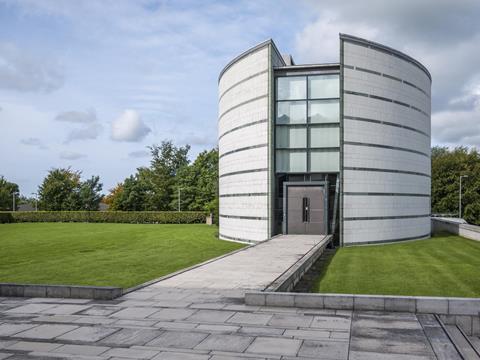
(178, 339)
(289, 321)
(212, 316)
(81, 349)
(324, 349)
(250, 318)
(274, 346)
(126, 353)
(221, 342)
(8, 329)
(49, 331)
(180, 356)
(88, 334)
(33, 346)
(172, 314)
(131, 337)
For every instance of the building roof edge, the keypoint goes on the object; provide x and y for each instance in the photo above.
(249, 51)
(387, 49)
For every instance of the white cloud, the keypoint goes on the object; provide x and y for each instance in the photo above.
(129, 127)
(319, 42)
(89, 132)
(21, 71)
(139, 154)
(34, 142)
(89, 128)
(70, 155)
(79, 117)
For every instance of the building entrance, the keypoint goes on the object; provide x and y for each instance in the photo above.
(305, 209)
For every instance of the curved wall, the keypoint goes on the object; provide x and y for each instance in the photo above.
(244, 145)
(386, 144)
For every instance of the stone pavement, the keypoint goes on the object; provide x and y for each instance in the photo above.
(200, 315)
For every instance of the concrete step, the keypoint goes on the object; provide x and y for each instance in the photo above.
(475, 341)
(448, 341)
(462, 343)
(441, 344)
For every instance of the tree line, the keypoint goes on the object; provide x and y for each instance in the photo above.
(171, 177)
(171, 182)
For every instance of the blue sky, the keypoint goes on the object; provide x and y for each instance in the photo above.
(90, 84)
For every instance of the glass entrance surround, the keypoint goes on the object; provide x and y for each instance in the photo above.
(307, 119)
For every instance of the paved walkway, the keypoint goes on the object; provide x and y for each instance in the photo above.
(200, 315)
(253, 268)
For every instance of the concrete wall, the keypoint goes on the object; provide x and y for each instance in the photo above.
(244, 144)
(386, 144)
(444, 225)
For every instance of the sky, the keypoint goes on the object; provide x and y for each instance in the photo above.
(90, 84)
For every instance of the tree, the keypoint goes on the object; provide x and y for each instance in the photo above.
(157, 187)
(198, 183)
(447, 166)
(113, 198)
(89, 193)
(62, 189)
(167, 161)
(7, 189)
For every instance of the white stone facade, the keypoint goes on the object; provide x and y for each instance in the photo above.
(386, 151)
(244, 145)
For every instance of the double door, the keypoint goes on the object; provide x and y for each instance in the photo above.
(305, 210)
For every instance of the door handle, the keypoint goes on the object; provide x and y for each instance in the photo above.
(306, 209)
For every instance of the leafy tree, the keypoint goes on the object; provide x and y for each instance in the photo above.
(113, 198)
(89, 193)
(198, 183)
(167, 161)
(157, 187)
(447, 166)
(62, 189)
(6, 198)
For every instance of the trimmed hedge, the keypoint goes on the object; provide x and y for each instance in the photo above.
(130, 217)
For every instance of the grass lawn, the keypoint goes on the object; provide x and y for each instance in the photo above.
(445, 265)
(121, 255)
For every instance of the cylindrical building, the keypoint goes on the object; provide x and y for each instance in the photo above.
(339, 148)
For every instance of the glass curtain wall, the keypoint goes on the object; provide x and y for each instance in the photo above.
(307, 135)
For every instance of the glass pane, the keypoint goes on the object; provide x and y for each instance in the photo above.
(287, 137)
(291, 88)
(291, 161)
(323, 111)
(323, 86)
(324, 161)
(324, 136)
(291, 112)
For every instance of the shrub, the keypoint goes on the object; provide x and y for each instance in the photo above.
(131, 217)
(5, 217)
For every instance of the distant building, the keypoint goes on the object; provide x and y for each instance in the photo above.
(339, 148)
(26, 207)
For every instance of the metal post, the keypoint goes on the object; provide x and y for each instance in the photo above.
(36, 201)
(179, 199)
(13, 202)
(460, 197)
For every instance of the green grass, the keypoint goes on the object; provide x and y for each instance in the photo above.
(121, 255)
(445, 265)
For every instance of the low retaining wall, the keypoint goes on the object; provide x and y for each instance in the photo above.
(466, 230)
(464, 312)
(290, 278)
(60, 291)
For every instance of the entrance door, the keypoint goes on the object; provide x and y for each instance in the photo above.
(305, 210)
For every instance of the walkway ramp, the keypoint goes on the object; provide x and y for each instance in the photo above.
(253, 268)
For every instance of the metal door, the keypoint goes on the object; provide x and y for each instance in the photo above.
(305, 210)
